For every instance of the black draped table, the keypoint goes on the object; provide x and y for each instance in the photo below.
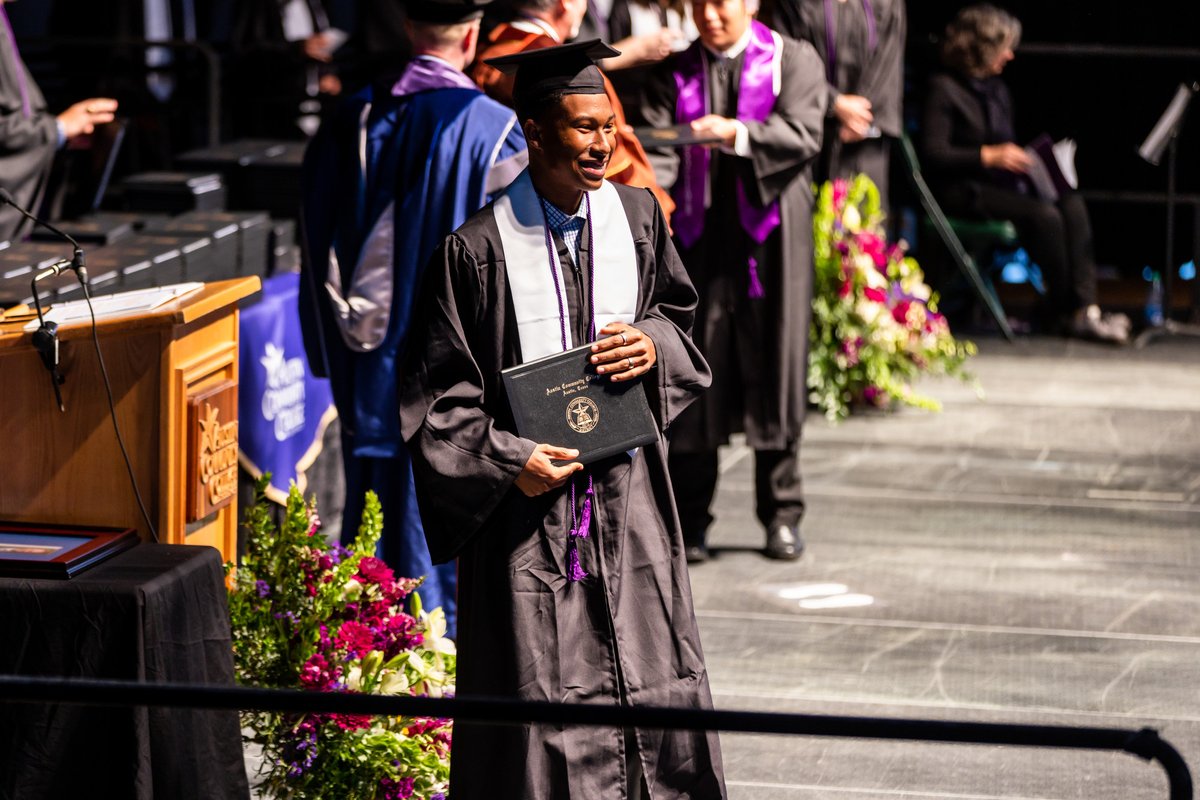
(155, 613)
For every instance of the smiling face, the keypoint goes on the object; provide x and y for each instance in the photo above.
(570, 145)
(721, 22)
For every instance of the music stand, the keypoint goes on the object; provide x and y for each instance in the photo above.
(1165, 136)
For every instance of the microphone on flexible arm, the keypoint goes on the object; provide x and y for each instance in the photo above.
(45, 340)
(77, 261)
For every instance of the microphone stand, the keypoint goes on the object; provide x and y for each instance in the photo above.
(46, 336)
(1170, 327)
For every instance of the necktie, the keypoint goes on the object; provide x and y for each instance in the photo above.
(18, 66)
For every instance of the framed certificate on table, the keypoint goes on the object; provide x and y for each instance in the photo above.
(561, 401)
(57, 551)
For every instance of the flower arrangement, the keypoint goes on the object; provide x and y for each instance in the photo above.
(308, 614)
(875, 324)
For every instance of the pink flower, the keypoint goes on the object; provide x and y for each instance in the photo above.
(875, 295)
(874, 396)
(318, 674)
(840, 190)
(375, 571)
(351, 722)
(873, 246)
(900, 311)
(399, 635)
(849, 348)
(846, 289)
(356, 638)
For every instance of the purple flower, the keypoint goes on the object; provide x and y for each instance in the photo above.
(263, 588)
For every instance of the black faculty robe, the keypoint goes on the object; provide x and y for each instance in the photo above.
(757, 349)
(627, 631)
(874, 73)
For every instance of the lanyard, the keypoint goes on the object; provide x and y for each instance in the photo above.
(581, 519)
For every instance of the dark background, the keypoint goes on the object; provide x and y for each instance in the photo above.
(1098, 71)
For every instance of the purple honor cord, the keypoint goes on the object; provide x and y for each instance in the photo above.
(581, 519)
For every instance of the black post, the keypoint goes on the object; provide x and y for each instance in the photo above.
(1168, 277)
(1194, 317)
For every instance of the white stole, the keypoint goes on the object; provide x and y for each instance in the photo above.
(531, 284)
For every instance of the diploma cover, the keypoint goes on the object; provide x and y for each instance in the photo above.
(673, 136)
(560, 400)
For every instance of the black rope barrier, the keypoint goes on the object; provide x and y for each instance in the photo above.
(1145, 743)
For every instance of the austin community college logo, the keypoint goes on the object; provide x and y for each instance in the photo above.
(582, 415)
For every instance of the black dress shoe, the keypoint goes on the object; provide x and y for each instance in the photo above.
(784, 543)
(695, 553)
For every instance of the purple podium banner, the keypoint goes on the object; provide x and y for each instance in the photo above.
(283, 410)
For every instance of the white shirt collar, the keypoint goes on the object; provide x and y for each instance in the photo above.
(736, 49)
(535, 25)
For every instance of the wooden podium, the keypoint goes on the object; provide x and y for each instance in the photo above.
(174, 373)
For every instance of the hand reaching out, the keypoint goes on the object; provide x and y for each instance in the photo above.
(83, 117)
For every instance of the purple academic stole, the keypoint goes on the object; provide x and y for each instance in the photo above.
(756, 99)
(423, 74)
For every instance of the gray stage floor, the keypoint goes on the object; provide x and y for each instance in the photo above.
(1032, 557)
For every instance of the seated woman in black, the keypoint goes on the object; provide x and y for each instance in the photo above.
(978, 171)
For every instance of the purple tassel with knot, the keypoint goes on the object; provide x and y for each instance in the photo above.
(582, 526)
(756, 291)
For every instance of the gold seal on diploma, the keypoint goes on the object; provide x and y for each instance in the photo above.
(582, 415)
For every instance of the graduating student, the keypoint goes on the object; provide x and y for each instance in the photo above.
(545, 23)
(572, 580)
(862, 45)
(385, 181)
(743, 222)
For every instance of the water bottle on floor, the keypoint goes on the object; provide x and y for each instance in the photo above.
(1154, 302)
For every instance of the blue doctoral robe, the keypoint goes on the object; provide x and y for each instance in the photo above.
(385, 180)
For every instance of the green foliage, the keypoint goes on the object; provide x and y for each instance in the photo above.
(309, 614)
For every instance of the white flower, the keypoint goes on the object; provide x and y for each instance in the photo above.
(435, 639)
(851, 219)
(352, 590)
(393, 682)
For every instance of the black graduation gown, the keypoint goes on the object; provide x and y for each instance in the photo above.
(628, 629)
(876, 74)
(757, 349)
(27, 144)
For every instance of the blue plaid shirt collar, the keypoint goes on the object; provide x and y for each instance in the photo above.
(568, 226)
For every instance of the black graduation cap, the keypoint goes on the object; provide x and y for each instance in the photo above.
(567, 68)
(444, 12)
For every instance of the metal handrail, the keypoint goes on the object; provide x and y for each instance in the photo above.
(212, 60)
(1145, 743)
